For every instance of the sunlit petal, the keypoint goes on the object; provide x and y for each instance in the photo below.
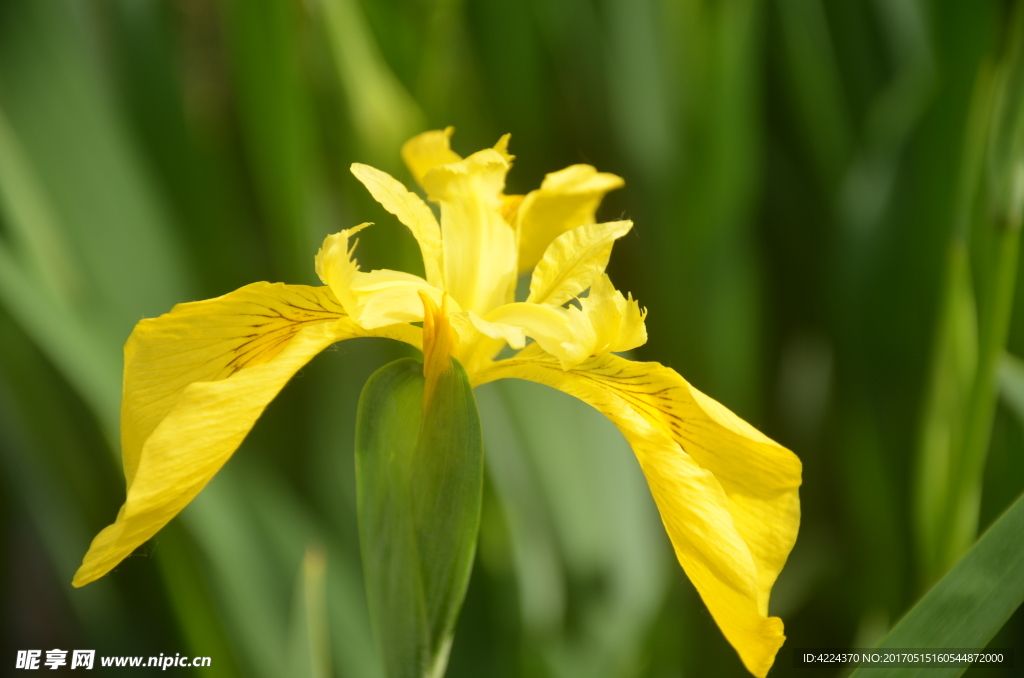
(196, 379)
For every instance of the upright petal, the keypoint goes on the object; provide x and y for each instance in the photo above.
(573, 261)
(479, 245)
(428, 150)
(196, 379)
(411, 211)
(728, 495)
(566, 199)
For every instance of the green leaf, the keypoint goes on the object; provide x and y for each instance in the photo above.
(954, 364)
(419, 483)
(971, 603)
(1011, 384)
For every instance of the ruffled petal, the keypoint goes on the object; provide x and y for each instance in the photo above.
(566, 199)
(728, 495)
(196, 379)
(604, 322)
(573, 261)
(337, 268)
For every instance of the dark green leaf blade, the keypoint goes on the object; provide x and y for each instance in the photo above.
(387, 430)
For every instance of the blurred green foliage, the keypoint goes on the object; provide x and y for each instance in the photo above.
(821, 205)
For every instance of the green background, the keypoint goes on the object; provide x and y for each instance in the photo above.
(804, 177)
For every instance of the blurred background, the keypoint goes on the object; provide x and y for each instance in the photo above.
(825, 240)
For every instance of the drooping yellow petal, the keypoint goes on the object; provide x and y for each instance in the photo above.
(196, 379)
(411, 211)
(573, 261)
(566, 199)
(728, 495)
(208, 341)
(428, 150)
(604, 322)
(479, 245)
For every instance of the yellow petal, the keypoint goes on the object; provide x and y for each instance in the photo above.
(479, 245)
(566, 199)
(428, 150)
(728, 495)
(573, 261)
(411, 211)
(196, 379)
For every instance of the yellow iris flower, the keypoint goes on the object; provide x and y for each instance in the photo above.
(197, 378)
